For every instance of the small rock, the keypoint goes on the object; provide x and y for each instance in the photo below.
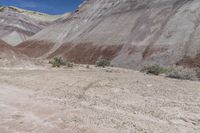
(149, 85)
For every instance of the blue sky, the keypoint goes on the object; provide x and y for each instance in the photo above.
(45, 6)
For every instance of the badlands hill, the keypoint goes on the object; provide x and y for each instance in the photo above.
(131, 33)
(16, 25)
(10, 57)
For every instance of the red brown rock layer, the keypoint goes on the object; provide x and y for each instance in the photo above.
(191, 62)
(35, 49)
(87, 53)
(4, 47)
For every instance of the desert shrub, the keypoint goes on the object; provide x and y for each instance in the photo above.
(70, 64)
(87, 66)
(57, 62)
(102, 63)
(183, 73)
(154, 69)
(198, 73)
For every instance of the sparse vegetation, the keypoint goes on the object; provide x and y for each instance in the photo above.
(57, 62)
(154, 69)
(183, 73)
(103, 63)
(174, 72)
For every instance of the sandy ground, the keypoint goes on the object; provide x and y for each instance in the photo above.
(81, 100)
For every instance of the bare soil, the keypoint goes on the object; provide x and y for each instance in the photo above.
(96, 100)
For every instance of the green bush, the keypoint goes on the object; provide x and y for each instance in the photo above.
(183, 73)
(57, 62)
(102, 63)
(154, 69)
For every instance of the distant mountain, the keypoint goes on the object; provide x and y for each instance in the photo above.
(131, 33)
(17, 25)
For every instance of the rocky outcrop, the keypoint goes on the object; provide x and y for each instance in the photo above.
(131, 33)
(17, 25)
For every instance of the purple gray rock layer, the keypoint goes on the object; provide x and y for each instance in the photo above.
(17, 25)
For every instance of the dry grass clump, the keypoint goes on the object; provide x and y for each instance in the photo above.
(183, 73)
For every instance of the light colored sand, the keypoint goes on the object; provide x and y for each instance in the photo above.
(96, 100)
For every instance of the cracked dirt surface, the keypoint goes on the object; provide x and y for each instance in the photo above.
(95, 100)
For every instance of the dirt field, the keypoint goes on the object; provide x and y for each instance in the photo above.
(81, 100)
